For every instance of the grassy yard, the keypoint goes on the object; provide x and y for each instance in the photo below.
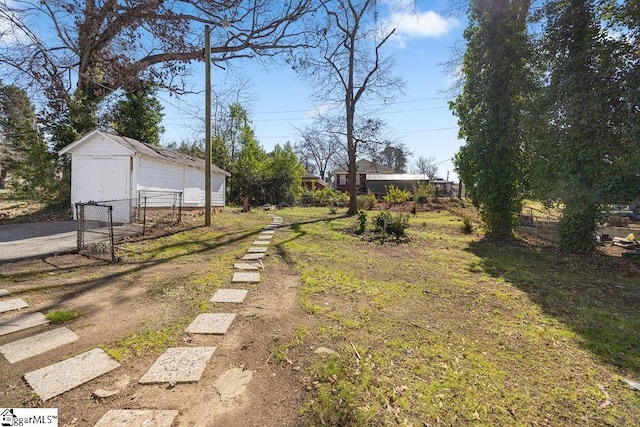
(449, 329)
(443, 329)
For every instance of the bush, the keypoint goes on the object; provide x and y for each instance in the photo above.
(393, 225)
(422, 193)
(366, 201)
(396, 195)
(324, 197)
(467, 225)
(362, 222)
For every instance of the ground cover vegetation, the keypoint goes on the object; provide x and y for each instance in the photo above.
(449, 328)
(546, 111)
(443, 327)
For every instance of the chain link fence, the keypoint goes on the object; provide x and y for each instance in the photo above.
(104, 223)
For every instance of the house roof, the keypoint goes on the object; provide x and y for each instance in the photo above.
(366, 166)
(147, 150)
(309, 175)
(397, 177)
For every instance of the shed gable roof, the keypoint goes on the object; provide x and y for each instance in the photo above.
(146, 150)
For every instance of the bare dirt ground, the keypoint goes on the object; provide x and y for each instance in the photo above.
(267, 318)
(117, 300)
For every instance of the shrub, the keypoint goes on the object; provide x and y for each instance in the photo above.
(393, 225)
(362, 222)
(366, 201)
(398, 226)
(422, 193)
(381, 220)
(467, 225)
(396, 195)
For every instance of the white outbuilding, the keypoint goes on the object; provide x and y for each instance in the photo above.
(106, 166)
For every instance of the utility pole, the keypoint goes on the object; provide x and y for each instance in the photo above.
(207, 132)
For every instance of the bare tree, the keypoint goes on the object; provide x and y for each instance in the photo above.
(349, 67)
(319, 147)
(77, 53)
(427, 166)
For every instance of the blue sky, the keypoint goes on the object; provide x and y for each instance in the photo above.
(279, 101)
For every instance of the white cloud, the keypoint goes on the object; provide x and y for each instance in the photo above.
(423, 24)
(412, 24)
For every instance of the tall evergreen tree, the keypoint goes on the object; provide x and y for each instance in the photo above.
(580, 155)
(139, 115)
(23, 150)
(489, 110)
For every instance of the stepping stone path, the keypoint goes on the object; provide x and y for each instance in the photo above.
(211, 323)
(130, 417)
(179, 365)
(12, 304)
(63, 376)
(37, 344)
(246, 266)
(176, 365)
(244, 277)
(226, 295)
(20, 323)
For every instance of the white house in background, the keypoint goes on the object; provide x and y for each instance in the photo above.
(105, 166)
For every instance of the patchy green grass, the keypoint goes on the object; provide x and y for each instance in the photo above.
(450, 329)
(152, 340)
(62, 316)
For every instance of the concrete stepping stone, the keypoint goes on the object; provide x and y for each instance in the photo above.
(265, 236)
(55, 379)
(12, 304)
(211, 323)
(267, 233)
(179, 365)
(246, 266)
(137, 418)
(257, 250)
(4, 293)
(261, 242)
(245, 277)
(228, 295)
(253, 256)
(232, 383)
(37, 344)
(20, 323)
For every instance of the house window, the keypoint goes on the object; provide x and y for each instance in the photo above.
(342, 180)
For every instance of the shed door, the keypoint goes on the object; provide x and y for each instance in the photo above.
(103, 178)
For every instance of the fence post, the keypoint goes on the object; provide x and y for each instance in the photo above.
(113, 251)
(179, 207)
(80, 226)
(144, 217)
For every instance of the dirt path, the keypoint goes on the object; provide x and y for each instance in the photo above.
(268, 318)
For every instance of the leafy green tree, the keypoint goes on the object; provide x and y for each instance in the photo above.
(23, 150)
(583, 154)
(248, 172)
(393, 157)
(283, 176)
(489, 111)
(139, 115)
(194, 149)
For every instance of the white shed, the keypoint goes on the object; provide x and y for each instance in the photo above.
(105, 166)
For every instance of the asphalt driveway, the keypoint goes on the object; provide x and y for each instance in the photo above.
(38, 239)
